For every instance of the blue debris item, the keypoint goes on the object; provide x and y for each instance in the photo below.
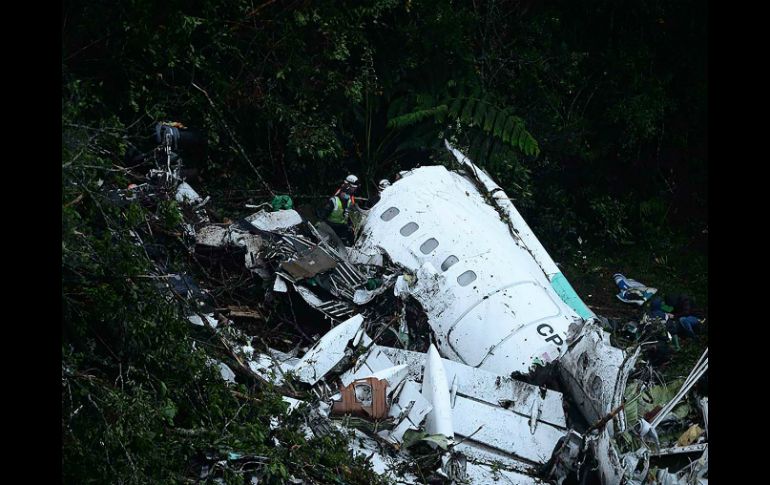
(632, 291)
(688, 325)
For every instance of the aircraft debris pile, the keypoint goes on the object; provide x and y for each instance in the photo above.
(456, 351)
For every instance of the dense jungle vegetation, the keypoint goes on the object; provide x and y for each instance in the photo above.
(591, 115)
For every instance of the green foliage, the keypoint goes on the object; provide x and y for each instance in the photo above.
(477, 111)
(610, 217)
(141, 402)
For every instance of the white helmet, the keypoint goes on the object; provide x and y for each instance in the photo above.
(351, 179)
(383, 184)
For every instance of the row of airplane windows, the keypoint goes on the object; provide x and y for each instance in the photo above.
(428, 246)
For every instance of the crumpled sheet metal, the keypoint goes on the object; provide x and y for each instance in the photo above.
(409, 409)
(308, 265)
(372, 362)
(611, 469)
(368, 448)
(218, 237)
(213, 236)
(595, 373)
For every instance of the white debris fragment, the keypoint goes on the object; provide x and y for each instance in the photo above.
(369, 364)
(357, 256)
(226, 372)
(196, 320)
(401, 288)
(364, 446)
(409, 408)
(280, 285)
(275, 221)
(185, 194)
(213, 236)
(328, 351)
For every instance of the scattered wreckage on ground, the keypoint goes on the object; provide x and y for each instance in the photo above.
(458, 351)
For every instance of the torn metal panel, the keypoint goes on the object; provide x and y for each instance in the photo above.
(308, 265)
(595, 372)
(275, 221)
(357, 256)
(368, 448)
(394, 375)
(470, 271)
(409, 408)
(309, 297)
(566, 457)
(328, 351)
(611, 469)
(334, 309)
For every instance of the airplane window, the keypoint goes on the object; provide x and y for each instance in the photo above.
(466, 278)
(409, 229)
(364, 394)
(390, 214)
(448, 262)
(429, 246)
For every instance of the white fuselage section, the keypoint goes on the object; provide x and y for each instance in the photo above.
(489, 302)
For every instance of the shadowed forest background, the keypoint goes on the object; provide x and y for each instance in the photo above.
(591, 115)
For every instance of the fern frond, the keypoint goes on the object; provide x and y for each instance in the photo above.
(415, 117)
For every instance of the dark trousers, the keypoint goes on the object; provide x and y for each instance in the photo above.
(343, 231)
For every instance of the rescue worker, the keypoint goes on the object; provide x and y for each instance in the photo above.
(336, 212)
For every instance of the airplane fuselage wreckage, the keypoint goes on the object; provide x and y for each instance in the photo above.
(453, 335)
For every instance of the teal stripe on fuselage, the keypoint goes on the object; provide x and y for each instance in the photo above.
(567, 294)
